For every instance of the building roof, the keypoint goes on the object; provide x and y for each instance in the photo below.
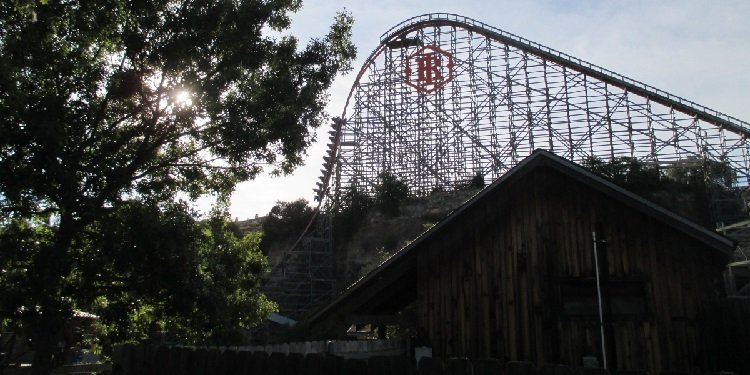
(402, 264)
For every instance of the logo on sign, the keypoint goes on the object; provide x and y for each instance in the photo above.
(429, 69)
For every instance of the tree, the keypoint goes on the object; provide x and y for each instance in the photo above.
(351, 214)
(700, 188)
(389, 193)
(138, 105)
(630, 173)
(285, 223)
(476, 182)
(156, 266)
(148, 268)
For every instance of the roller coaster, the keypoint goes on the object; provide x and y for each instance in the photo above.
(444, 98)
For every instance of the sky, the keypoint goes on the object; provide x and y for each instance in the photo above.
(698, 50)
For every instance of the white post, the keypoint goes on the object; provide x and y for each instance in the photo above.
(599, 297)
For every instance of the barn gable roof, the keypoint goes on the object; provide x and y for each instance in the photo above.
(403, 262)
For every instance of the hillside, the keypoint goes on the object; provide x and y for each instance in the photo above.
(379, 235)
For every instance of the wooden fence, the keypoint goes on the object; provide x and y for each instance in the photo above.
(343, 348)
(163, 360)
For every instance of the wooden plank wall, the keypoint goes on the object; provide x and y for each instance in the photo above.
(729, 346)
(489, 281)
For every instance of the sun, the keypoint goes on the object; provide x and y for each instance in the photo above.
(183, 98)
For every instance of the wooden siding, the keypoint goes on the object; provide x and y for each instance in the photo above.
(488, 283)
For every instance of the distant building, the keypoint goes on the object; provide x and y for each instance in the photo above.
(250, 225)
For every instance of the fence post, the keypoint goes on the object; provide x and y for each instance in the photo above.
(122, 358)
(355, 366)
(379, 365)
(153, 355)
(244, 358)
(212, 362)
(430, 366)
(159, 360)
(202, 361)
(137, 365)
(644, 372)
(284, 348)
(313, 365)
(520, 368)
(319, 347)
(173, 361)
(333, 365)
(403, 365)
(275, 364)
(228, 363)
(553, 369)
(294, 363)
(185, 356)
(458, 366)
(258, 363)
(488, 366)
(196, 361)
(593, 371)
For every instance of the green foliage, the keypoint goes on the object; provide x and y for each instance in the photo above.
(357, 201)
(227, 298)
(476, 182)
(689, 174)
(629, 173)
(20, 242)
(389, 193)
(702, 181)
(90, 106)
(352, 213)
(286, 221)
(374, 261)
(148, 269)
(408, 314)
(27, 7)
(706, 173)
(107, 116)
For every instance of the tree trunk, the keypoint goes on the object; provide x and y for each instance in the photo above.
(44, 340)
(52, 267)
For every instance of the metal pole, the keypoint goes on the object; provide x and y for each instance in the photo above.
(599, 297)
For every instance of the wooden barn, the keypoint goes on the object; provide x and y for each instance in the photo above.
(511, 275)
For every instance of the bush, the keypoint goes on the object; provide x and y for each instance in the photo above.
(285, 221)
(476, 182)
(353, 211)
(389, 193)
